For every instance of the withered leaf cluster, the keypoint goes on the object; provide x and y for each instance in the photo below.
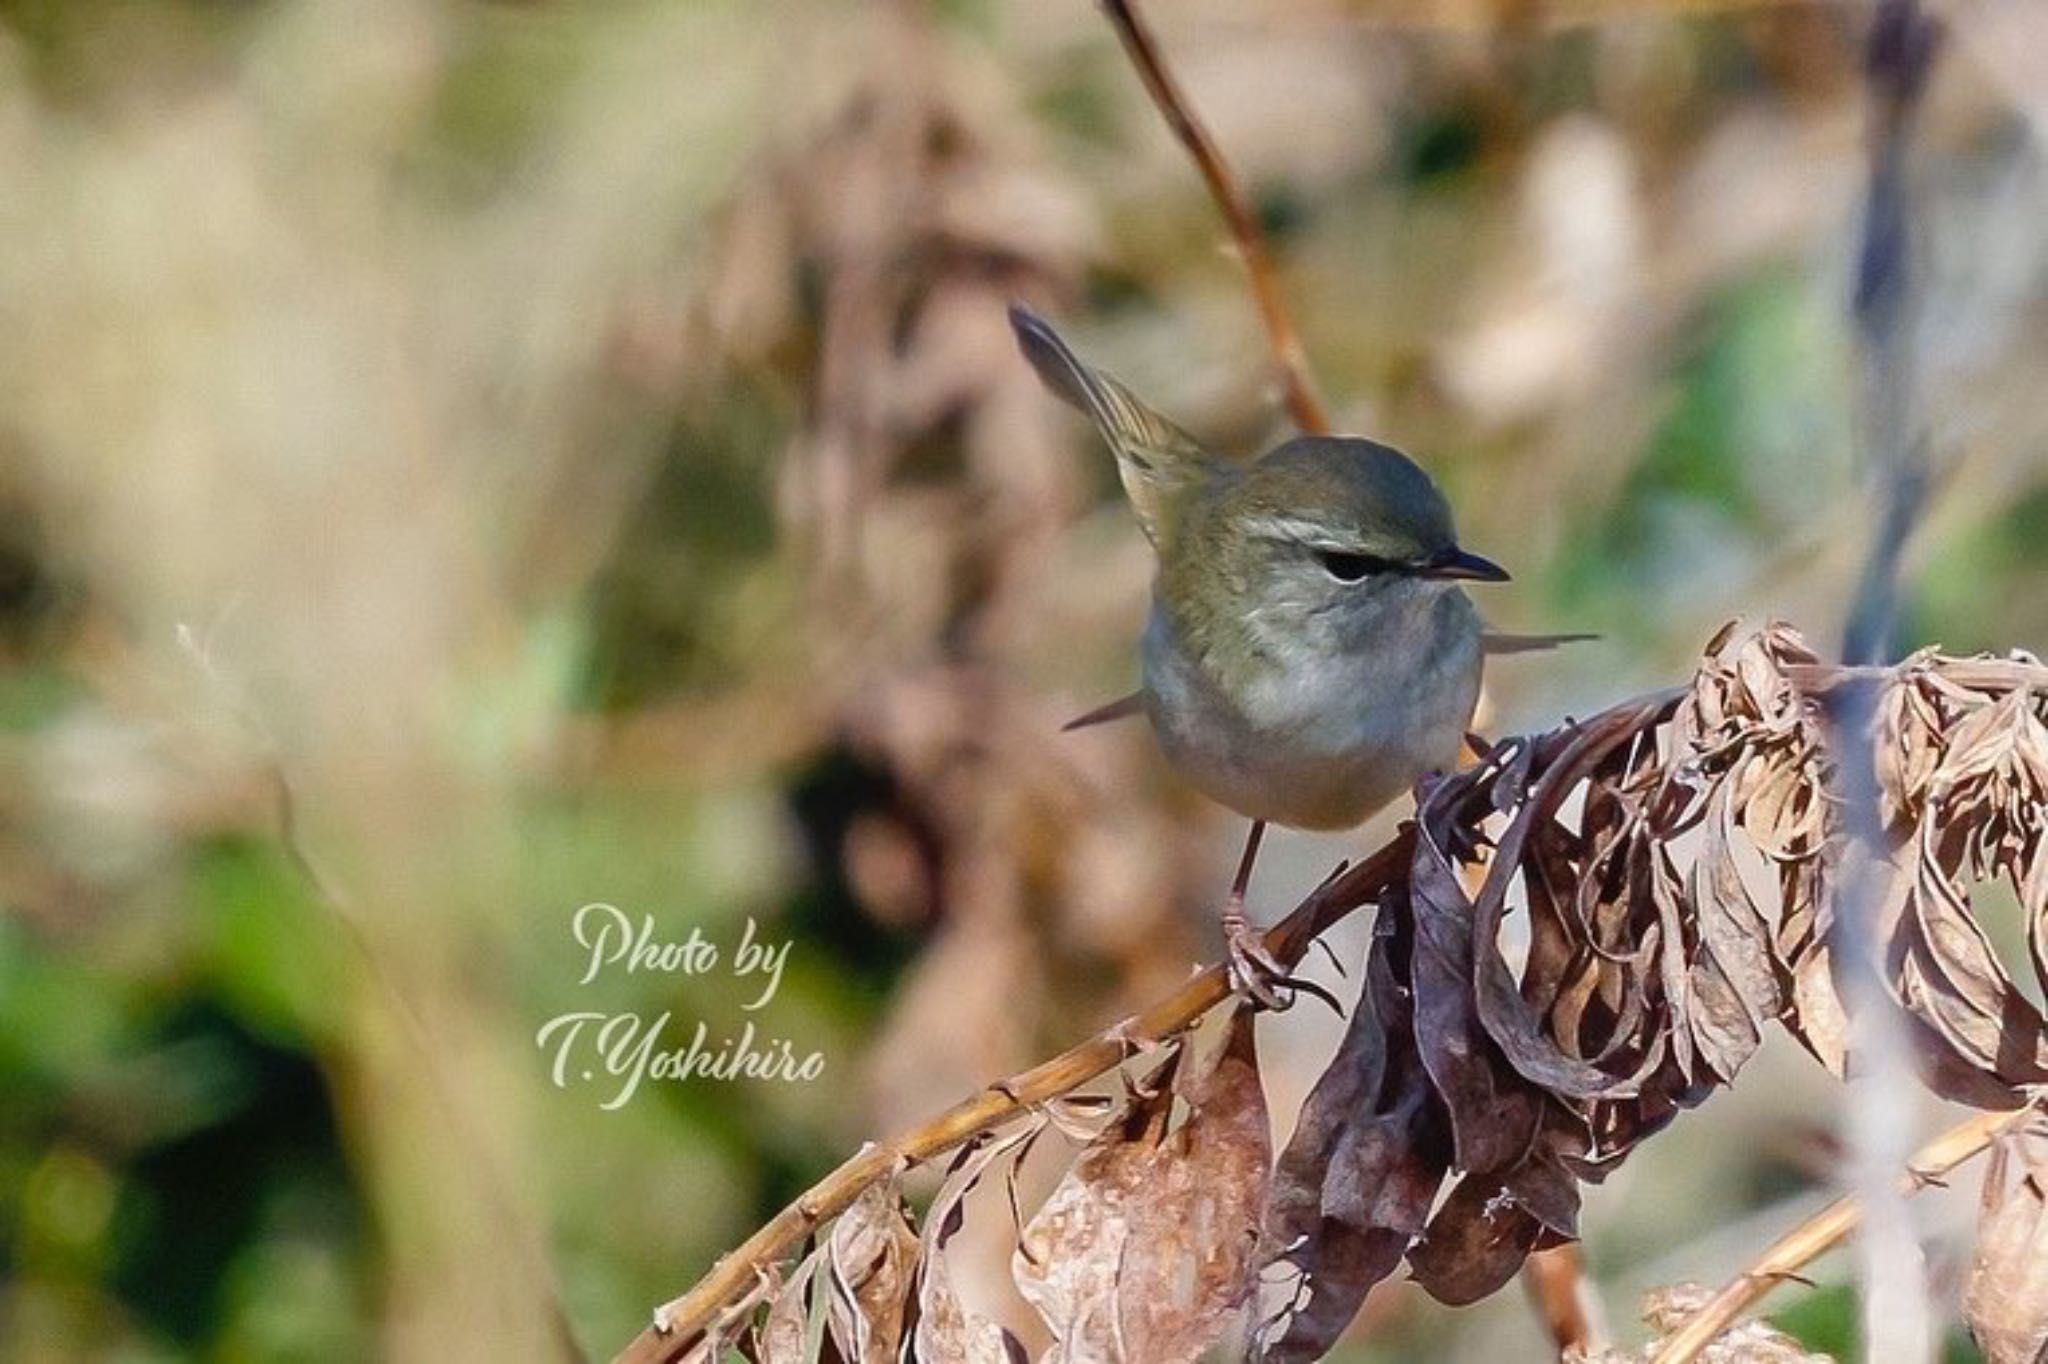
(1676, 865)
(1145, 1250)
(1582, 935)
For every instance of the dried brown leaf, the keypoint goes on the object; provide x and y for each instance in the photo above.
(1493, 1111)
(785, 1336)
(1146, 1247)
(2006, 1303)
(1070, 1254)
(1474, 1243)
(1500, 1007)
(1992, 1041)
(1732, 929)
(1554, 952)
(1189, 1264)
(871, 1262)
(947, 1329)
(1911, 724)
(1355, 1184)
(1814, 1013)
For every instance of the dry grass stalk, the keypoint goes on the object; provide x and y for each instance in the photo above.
(1822, 1232)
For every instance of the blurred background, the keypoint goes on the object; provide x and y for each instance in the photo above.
(461, 461)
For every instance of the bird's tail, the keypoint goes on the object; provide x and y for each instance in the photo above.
(1155, 458)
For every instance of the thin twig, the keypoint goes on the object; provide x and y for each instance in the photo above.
(490, 1181)
(1823, 1231)
(679, 1324)
(1292, 360)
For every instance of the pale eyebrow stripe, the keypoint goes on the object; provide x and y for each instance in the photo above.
(1310, 533)
(1289, 529)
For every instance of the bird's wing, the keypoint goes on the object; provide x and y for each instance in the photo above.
(1123, 706)
(1497, 642)
(1155, 459)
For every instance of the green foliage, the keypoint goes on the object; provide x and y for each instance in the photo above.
(1752, 448)
(1824, 1319)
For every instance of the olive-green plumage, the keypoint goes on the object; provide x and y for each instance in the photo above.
(1309, 653)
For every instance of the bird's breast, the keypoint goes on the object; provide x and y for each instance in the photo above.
(1321, 733)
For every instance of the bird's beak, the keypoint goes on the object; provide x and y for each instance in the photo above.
(1458, 563)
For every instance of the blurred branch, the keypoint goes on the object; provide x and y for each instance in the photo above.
(1903, 41)
(1292, 361)
(1556, 1283)
(1826, 1229)
(678, 1325)
(1878, 1130)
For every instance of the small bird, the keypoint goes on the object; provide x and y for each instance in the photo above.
(1309, 652)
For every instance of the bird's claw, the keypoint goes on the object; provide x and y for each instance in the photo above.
(1252, 970)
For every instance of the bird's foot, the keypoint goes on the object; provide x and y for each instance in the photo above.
(1253, 971)
(1257, 974)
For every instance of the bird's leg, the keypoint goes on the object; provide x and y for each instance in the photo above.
(1253, 970)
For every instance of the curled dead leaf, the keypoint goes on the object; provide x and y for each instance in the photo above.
(1654, 962)
(2006, 1303)
(1146, 1249)
(870, 1262)
(948, 1331)
(1355, 1184)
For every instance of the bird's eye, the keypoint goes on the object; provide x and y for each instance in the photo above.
(1350, 568)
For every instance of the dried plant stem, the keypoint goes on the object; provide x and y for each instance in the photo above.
(1825, 1230)
(1556, 1282)
(1302, 403)
(678, 1325)
(1977, 674)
